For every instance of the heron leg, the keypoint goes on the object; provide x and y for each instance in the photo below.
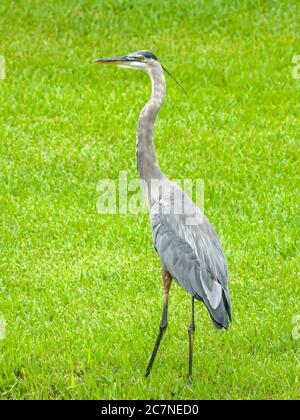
(167, 280)
(191, 332)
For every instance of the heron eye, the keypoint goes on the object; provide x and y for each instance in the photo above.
(141, 58)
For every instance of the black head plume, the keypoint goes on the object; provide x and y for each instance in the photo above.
(180, 85)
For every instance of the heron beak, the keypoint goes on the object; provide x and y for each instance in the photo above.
(114, 60)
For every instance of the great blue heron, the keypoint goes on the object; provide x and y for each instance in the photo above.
(185, 241)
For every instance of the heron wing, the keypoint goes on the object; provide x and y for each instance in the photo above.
(191, 251)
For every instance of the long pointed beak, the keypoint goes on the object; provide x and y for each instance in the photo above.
(114, 60)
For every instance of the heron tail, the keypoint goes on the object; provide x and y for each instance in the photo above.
(222, 315)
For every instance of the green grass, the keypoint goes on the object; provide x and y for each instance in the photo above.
(81, 292)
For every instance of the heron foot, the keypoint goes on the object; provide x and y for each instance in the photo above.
(189, 382)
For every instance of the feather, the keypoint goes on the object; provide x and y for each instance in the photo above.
(191, 253)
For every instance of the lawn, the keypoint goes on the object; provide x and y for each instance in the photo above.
(81, 291)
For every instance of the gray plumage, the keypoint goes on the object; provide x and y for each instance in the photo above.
(185, 241)
(192, 254)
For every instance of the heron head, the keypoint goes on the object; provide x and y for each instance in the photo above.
(140, 60)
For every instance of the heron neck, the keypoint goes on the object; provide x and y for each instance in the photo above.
(147, 165)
